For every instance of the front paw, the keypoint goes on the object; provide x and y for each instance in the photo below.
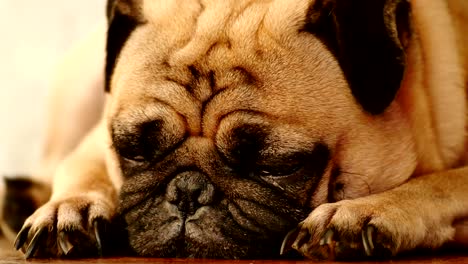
(362, 228)
(67, 227)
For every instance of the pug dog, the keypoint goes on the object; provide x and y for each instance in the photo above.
(227, 124)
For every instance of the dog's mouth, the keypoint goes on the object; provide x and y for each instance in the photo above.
(221, 231)
(228, 229)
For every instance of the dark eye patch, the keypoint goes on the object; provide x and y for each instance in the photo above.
(252, 149)
(265, 155)
(138, 143)
(314, 160)
(281, 166)
(244, 144)
(297, 174)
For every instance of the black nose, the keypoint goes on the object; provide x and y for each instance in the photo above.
(189, 191)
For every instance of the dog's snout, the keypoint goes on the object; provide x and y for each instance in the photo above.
(189, 191)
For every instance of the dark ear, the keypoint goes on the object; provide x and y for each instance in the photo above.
(368, 37)
(123, 17)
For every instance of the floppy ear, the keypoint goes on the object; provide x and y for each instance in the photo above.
(368, 38)
(123, 17)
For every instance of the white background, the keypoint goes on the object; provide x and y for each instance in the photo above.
(34, 35)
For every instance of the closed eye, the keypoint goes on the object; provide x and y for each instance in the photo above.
(294, 169)
(278, 170)
(139, 145)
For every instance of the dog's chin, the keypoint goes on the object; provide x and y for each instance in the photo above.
(210, 232)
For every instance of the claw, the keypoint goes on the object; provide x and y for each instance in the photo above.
(22, 237)
(289, 240)
(96, 224)
(328, 245)
(64, 243)
(35, 242)
(367, 240)
(327, 239)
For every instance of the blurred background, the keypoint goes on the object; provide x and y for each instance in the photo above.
(34, 35)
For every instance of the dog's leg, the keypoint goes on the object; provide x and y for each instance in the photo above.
(422, 213)
(83, 200)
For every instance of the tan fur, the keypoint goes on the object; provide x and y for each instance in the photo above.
(403, 169)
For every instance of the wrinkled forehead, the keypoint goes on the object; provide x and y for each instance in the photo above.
(213, 35)
(237, 21)
(219, 16)
(186, 30)
(205, 61)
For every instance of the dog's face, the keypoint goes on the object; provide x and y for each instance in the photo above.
(232, 120)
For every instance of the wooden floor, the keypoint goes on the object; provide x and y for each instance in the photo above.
(8, 256)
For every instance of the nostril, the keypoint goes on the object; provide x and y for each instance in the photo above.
(172, 193)
(206, 195)
(190, 191)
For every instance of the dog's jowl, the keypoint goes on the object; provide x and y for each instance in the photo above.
(227, 124)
